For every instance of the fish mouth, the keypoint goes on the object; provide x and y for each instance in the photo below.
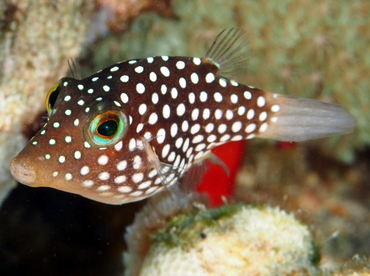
(21, 172)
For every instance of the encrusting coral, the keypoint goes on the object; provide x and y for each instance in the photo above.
(183, 237)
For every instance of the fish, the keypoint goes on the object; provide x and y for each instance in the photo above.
(135, 128)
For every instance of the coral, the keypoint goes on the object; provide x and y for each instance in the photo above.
(37, 39)
(231, 240)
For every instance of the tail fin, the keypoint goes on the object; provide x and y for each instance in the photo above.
(299, 119)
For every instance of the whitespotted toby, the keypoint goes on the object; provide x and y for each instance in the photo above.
(136, 127)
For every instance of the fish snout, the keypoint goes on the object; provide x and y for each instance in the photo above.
(21, 172)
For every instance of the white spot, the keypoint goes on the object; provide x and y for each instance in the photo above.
(144, 185)
(261, 101)
(121, 165)
(263, 116)
(178, 142)
(171, 157)
(250, 128)
(84, 170)
(241, 110)
(124, 78)
(155, 98)
(275, 108)
(250, 136)
(140, 88)
(106, 88)
(194, 78)
(263, 127)
(225, 138)
(234, 98)
(87, 145)
(124, 189)
(68, 139)
(247, 95)
(132, 61)
(68, 112)
(113, 69)
(165, 58)
(229, 114)
(174, 129)
(68, 177)
(250, 114)
(185, 126)
(237, 126)
(200, 147)
(153, 118)
(163, 89)
(206, 113)
(195, 114)
(137, 177)
(103, 188)
(189, 152)
(237, 138)
(142, 109)
(174, 93)
(166, 111)
(161, 135)
(197, 139)
(47, 156)
(67, 98)
(211, 138)
(151, 190)
(139, 69)
(195, 129)
(43, 131)
(153, 76)
(182, 82)
(62, 159)
(165, 150)
(199, 155)
(104, 176)
(203, 96)
(80, 86)
(56, 124)
(90, 91)
(76, 122)
(137, 193)
(222, 82)
(81, 102)
(103, 160)
(185, 146)
(124, 98)
(77, 154)
(218, 97)
(139, 127)
(120, 179)
(222, 128)
(132, 144)
(55, 174)
(197, 61)
(87, 183)
(274, 119)
(234, 83)
(209, 128)
(210, 77)
(180, 110)
(118, 146)
(180, 65)
(164, 70)
(191, 98)
(218, 114)
(150, 59)
(137, 162)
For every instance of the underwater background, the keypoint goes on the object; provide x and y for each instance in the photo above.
(314, 49)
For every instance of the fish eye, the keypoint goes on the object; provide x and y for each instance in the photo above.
(107, 127)
(51, 97)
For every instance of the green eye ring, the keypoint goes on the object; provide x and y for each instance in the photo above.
(51, 97)
(107, 127)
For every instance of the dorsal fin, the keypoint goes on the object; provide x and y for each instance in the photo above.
(74, 70)
(229, 52)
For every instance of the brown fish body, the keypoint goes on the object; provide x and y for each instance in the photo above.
(132, 129)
